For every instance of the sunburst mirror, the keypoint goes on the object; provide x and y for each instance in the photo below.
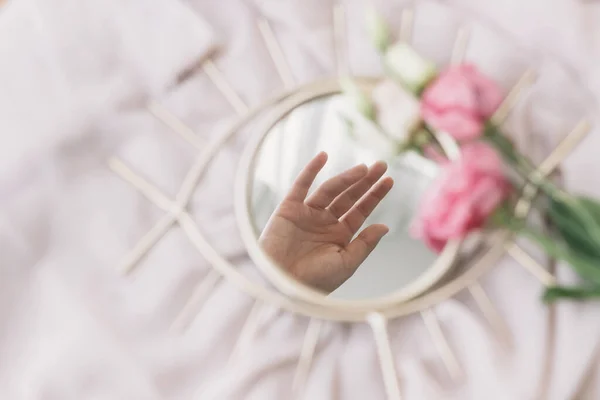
(312, 199)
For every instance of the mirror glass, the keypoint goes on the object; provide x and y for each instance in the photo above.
(306, 241)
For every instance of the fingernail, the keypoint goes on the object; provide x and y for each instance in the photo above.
(380, 162)
(322, 157)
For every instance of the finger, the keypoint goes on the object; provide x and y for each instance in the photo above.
(365, 206)
(332, 187)
(307, 176)
(360, 248)
(350, 196)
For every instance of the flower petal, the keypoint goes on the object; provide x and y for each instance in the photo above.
(450, 90)
(488, 93)
(483, 157)
(460, 126)
(462, 198)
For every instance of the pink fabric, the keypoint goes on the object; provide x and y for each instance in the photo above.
(73, 328)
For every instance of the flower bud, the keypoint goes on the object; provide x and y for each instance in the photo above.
(408, 67)
(359, 99)
(378, 30)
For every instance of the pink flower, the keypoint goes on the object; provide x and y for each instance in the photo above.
(459, 101)
(465, 194)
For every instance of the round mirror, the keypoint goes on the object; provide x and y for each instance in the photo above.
(320, 201)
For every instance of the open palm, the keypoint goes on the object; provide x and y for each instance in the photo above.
(312, 237)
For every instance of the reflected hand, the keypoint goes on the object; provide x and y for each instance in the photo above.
(312, 237)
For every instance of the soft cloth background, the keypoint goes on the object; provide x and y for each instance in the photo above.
(73, 79)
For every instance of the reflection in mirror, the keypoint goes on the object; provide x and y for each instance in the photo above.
(319, 234)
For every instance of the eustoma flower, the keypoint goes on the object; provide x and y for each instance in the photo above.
(404, 65)
(385, 120)
(396, 111)
(459, 102)
(463, 197)
(407, 67)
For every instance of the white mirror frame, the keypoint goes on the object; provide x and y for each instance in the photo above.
(281, 278)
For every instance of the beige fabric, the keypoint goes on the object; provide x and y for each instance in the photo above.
(74, 76)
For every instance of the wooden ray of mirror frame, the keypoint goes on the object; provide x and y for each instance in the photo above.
(280, 278)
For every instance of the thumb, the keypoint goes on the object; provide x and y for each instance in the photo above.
(366, 241)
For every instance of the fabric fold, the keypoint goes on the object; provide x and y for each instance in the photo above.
(66, 62)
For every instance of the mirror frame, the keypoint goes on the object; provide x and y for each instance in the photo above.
(280, 278)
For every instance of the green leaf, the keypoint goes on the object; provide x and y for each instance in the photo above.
(359, 98)
(349, 126)
(378, 30)
(576, 226)
(592, 206)
(575, 293)
(587, 267)
(501, 142)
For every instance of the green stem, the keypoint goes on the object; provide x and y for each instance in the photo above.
(432, 139)
(586, 267)
(575, 293)
(521, 164)
(526, 169)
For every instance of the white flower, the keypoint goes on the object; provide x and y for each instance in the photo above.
(358, 97)
(367, 134)
(378, 30)
(408, 66)
(397, 111)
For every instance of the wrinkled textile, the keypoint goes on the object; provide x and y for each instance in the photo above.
(74, 78)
